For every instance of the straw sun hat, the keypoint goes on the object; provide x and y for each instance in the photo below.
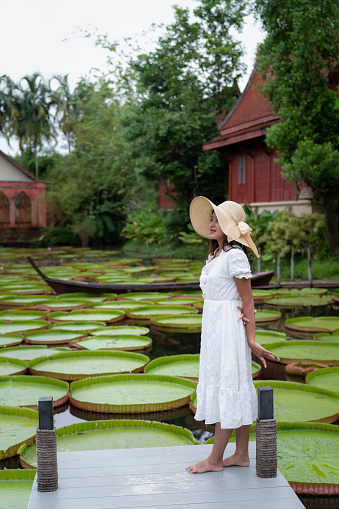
(231, 217)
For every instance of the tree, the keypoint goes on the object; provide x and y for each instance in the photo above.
(90, 187)
(28, 112)
(182, 85)
(298, 61)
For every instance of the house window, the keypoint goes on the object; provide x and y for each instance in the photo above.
(4, 208)
(23, 209)
(242, 170)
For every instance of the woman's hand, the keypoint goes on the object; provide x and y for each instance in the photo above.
(242, 316)
(262, 354)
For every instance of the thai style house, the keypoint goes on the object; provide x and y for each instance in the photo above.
(22, 201)
(254, 176)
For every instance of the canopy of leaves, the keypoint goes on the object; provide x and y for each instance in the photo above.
(299, 62)
(183, 84)
(91, 186)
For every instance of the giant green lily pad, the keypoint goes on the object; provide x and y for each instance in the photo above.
(22, 326)
(10, 340)
(309, 351)
(188, 323)
(144, 295)
(125, 305)
(28, 353)
(148, 312)
(113, 343)
(256, 369)
(185, 366)
(264, 316)
(17, 425)
(12, 366)
(22, 314)
(301, 301)
(87, 314)
(295, 402)
(120, 330)
(15, 488)
(260, 296)
(140, 393)
(77, 326)
(53, 337)
(59, 304)
(90, 297)
(326, 336)
(26, 390)
(308, 324)
(326, 378)
(307, 456)
(81, 364)
(120, 434)
(23, 300)
(265, 337)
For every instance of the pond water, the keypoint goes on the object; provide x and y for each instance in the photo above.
(173, 343)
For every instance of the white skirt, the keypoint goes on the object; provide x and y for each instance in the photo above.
(225, 391)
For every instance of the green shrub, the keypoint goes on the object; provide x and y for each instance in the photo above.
(146, 226)
(58, 236)
(307, 230)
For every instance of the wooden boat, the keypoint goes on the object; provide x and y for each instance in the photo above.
(259, 280)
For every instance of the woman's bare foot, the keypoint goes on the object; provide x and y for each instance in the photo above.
(205, 466)
(235, 459)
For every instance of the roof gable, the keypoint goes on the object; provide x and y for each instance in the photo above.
(251, 107)
(12, 171)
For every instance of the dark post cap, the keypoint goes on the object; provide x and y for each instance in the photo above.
(46, 412)
(265, 403)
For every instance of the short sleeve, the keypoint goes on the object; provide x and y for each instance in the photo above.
(238, 264)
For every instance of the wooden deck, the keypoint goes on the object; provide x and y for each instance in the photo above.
(156, 478)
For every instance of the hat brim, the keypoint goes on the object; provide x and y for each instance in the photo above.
(200, 214)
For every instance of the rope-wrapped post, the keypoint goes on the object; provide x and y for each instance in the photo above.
(266, 435)
(46, 447)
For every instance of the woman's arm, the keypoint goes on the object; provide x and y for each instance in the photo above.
(245, 291)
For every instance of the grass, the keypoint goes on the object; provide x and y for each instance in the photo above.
(321, 269)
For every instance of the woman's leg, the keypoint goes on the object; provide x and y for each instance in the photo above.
(240, 457)
(215, 460)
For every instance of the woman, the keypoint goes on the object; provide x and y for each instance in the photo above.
(225, 394)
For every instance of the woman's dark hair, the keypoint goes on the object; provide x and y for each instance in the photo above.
(214, 245)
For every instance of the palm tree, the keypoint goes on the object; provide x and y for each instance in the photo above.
(10, 122)
(65, 108)
(35, 103)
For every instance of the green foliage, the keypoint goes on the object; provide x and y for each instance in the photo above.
(259, 223)
(58, 236)
(190, 238)
(298, 60)
(317, 165)
(47, 161)
(145, 226)
(91, 186)
(181, 86)
(26, 111)
(289, 230)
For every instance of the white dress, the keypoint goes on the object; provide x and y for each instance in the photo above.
(225, 391)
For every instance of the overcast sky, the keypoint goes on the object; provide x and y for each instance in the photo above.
(45, 36)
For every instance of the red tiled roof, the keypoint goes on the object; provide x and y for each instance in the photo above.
(249, 118)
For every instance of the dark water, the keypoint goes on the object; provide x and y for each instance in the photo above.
(173, 343)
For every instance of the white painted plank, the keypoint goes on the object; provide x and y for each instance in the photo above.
(255, 498)
(140, 458)
(206, 484)
(156, 478)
